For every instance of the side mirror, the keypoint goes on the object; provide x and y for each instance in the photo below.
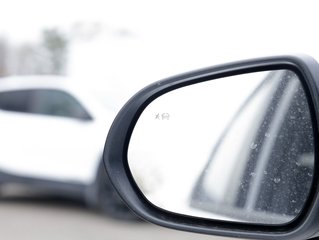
(229, 150)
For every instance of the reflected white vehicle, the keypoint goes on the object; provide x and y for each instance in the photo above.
(52, 138)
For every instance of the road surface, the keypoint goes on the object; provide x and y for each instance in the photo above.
(29, 218)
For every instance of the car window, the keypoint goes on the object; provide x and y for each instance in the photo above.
(44, 102)
(17, 101)
(281, 129)
(57, 103)
(240, 132)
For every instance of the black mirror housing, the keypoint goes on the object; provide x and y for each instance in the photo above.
(304, 226)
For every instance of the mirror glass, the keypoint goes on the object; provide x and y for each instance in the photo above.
(239, 148)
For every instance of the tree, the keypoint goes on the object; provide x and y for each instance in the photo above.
(55, 46)
(4, 52)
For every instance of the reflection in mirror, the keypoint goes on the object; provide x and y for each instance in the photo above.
(239, 148)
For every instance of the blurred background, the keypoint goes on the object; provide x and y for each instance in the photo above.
(67, 67)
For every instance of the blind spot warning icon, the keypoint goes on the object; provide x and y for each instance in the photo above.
(163, 116)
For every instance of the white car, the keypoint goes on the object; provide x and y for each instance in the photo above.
(52, 139)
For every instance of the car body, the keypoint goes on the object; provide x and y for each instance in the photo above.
(52, 136)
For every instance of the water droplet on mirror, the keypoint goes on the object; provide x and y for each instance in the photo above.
(277, 180)
(309, 174)
(265, 172)
(267, 134)
(253, 145)
(253, 174)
